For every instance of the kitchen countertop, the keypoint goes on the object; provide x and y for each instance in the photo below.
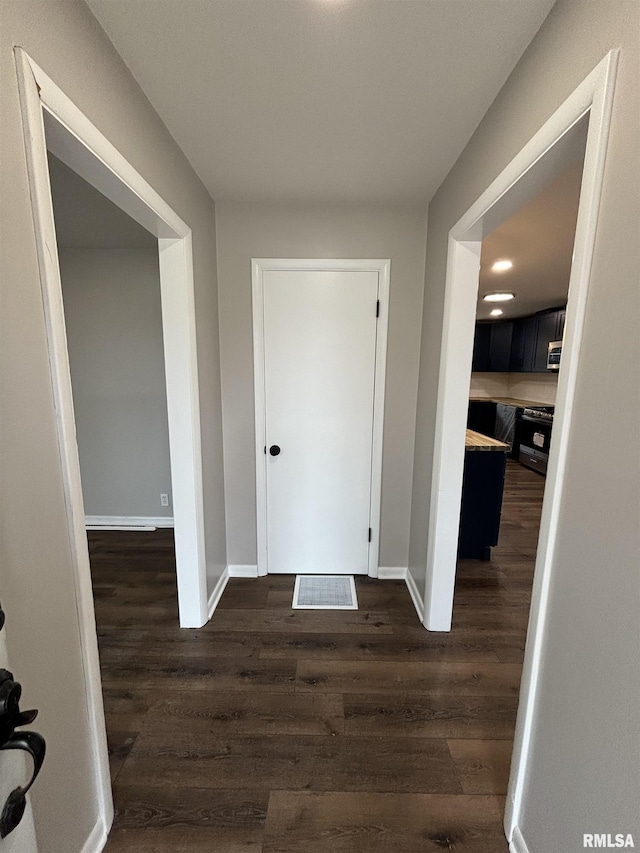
(477, 441)
(511, 401)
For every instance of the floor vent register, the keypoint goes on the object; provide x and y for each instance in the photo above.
(325, 592)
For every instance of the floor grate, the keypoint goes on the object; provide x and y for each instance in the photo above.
(325, 592)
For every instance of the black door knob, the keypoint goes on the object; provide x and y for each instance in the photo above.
(274, 450)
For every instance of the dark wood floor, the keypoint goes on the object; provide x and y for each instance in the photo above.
(333, 732)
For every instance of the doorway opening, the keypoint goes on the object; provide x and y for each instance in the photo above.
(113, 318)
(52, 123)
(525, 266)
(517, 365)
(110, 281)
(527, 174)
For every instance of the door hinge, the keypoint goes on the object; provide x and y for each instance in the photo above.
(378, 308)
(369, 534)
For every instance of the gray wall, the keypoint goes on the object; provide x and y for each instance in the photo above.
(584, 772)
(114, 333)
(37, 582)
(298, 231)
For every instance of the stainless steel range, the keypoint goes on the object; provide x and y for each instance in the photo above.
(535, 437)
(545, 414)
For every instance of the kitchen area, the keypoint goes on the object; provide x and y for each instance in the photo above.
(519, 356)
(524, 425)
(513, 358)
(525, 267)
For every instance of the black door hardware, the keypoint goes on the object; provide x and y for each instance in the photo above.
(31, 742)
(274, 450)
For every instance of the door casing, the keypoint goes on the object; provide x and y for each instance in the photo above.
(73, 138)
(520, 179)
(258, 267)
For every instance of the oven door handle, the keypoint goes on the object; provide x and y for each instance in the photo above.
(541, 421)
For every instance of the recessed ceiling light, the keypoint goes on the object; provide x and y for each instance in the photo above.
(502, 266)
(499, 296)
(496, 312)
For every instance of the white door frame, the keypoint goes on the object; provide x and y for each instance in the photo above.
(258, 267)
(75, 140)
(505, 195)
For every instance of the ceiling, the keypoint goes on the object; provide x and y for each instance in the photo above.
(538, 239)
(321, 100)
(86, 219)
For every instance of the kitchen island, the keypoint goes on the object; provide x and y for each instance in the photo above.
(482, 488)
(477, 441)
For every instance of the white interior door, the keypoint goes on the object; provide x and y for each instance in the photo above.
(319, 332)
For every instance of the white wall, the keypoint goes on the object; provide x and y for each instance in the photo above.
(37, 578)
(298, 231)
(114, 333)
(536, 387)
(584, 774)
(489, 385)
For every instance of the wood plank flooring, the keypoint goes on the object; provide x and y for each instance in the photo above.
(279, 731)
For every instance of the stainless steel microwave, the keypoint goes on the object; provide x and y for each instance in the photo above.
(553, 355)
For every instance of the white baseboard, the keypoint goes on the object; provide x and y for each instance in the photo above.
(96, 840)
(392, 573)
(215, 596)
(518, 844)
(243, 571)
(107, 521)
(384, 572)
(418, 603)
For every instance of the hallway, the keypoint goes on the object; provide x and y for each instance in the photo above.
(276, 730)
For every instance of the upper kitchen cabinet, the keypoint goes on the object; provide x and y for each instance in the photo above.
(518, 346)
(481, 343)
(550, 328)
(492, 347)
(523, 345)
(547, 326)
(500, 349)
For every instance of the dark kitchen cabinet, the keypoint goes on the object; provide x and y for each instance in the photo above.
(523, 345)
(500, 347)
(481, 343)
(492, 347)
(516, 358)
(482, 490)
(547, 329)
(482, 417)
(518, 346)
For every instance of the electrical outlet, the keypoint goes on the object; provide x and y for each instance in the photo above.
(164, 500)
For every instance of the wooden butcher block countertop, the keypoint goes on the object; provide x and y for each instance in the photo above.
(477, 441)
